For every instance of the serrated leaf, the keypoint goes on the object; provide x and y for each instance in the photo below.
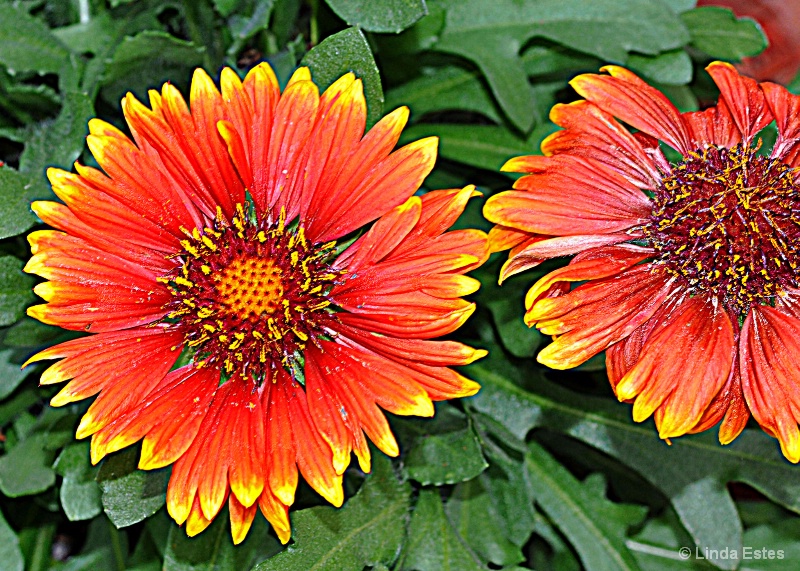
(433, 544)
(26, 43)
(368, 530)
(25, 469)
(79, 492)
(494, 512)
(60, 141)
(10, 553)
(213, 550)
(595, 527)
(717, 32)
(146, 61)
(670, 68)
(441, 89)
(446, 450)
(130, 495)
(344, 52)
(388, 16)
(606, 28)
(15, 212)
(692, 472)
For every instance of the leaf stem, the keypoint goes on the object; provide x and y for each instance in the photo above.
(313, 31)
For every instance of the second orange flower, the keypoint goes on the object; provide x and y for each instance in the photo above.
(686, 238)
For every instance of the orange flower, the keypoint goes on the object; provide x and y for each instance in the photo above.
(689, 267)
(215, 235)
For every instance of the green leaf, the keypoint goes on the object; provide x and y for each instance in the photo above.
(692, 473)
(243, 28)
(606, 28)
(34, 101)
(772, 547)
(506, 303)
(26, 43)
(344, 52)
(368, 530)
(389, 16)
(130, 495)
(433, 544)
(15, 212)
(25, 469)
(213, 550)
(717, 32)
(11, 374)
(10, 553)
(657, 547)
(482, 146)
(31, 333)
(15, 290)
(446, 450)
(670, 68)
(146, 61)
(79, 492)
(226, 7)
(595, 526)
(58, 142)
(679, 6)
(494, 512)
(441, 89)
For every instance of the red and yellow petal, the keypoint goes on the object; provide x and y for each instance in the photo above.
(281, 454)
(785, 108)
(166, 435)
(624, 95)
(743, 99)
(684, 363)
(598, 201)
(590, 132)
(597, 314)
(768, 359)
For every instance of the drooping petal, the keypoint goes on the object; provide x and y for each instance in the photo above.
(768, 352)
(594, 264)
(700, 332)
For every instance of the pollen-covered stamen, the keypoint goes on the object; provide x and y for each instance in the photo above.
(249, 294)
(728, 221)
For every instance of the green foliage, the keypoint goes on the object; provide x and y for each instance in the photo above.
(433, 544)
(541, 470)
(445, 449)
(367, 531)
(716, 31)
(386, 16)
(347, 51)
(130, 495)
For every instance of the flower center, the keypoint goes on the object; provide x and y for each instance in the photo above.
(249, 288)
(727, 221)
(250, 294)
